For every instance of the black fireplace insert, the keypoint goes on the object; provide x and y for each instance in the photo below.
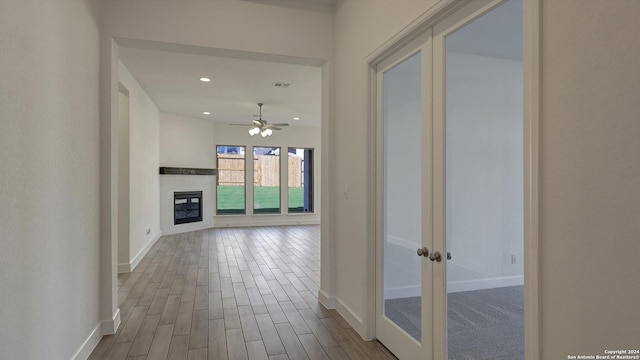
(187, 206)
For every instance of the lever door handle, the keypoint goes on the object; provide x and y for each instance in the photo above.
(423, 252)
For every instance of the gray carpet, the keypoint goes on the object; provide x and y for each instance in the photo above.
(483, 324)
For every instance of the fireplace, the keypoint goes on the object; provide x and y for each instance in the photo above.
(187, 207)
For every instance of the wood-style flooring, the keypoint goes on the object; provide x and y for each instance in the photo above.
(231, 294)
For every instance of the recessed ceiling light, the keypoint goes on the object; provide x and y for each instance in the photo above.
(205, 79)
(296, 118)
(207, 113)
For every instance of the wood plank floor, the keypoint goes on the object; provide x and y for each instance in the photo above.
(231, 294)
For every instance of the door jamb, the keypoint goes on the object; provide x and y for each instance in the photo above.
(532, 10)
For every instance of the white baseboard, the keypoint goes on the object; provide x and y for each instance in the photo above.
(402, 292)
(328, 301)
(89, 344)
(457, 286)
(482, 284)
(128, 267)
(223, 221)
(411, 245)
(109, 327)
(350, 316)
(124, 268)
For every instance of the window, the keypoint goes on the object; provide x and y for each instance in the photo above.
(300, 180)
(230, 188)
(266, 180)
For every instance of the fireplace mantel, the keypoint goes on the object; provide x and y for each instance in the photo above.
(187, 171)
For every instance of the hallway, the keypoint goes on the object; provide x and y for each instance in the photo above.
(234, 293)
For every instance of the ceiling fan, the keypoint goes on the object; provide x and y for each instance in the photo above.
(261, 126)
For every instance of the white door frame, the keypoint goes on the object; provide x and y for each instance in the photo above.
(531, 104)
(405, 346)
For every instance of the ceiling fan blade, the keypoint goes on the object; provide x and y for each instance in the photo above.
(274, 128)
(280, 124)
(257, 122)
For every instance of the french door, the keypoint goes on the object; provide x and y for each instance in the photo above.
(449, 186)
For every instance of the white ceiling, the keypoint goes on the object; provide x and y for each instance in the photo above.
(171, 79)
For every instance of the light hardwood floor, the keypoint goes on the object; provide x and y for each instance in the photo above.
(231, 294)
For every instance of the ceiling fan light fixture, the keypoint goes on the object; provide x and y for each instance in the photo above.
(254, 131)
(266, 132)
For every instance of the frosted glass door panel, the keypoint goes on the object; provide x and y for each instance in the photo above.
(484, 186)
(402, 117)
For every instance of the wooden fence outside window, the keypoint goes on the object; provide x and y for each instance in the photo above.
(266, 170)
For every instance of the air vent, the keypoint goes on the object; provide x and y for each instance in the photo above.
(282, 85)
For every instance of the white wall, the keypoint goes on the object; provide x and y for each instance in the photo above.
(235, 25)
(186, 142)
(49, 183)
(144, 162)
(590, 163)
(123, 176)
(358, 32)
(293, 136)
(484, 160)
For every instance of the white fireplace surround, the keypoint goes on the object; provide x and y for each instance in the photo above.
(172, 183)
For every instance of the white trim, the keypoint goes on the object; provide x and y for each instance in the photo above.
(350, 316)
(262, 220)
(325, 299)
(124, 268)
(419, 26)
(532, 63)
(109, 327)
(483, 284)
(89, 343)
(401, 292)
(128, 267)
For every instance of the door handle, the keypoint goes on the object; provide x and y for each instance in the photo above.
(435, 256)
(448, 255)
(423, 252)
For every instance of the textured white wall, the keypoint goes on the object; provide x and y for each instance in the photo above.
(144, 162)
(49, 217)
(590, 165)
